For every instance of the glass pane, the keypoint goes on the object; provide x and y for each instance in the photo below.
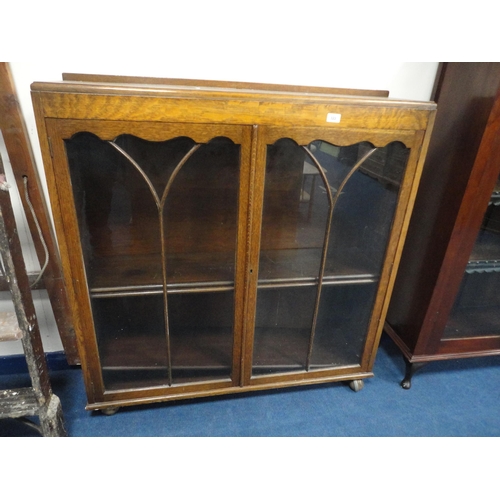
(293, 220)
(148, 210)
(476, 309)
(344, 315)
(131, 341)
(282, 329)
(201, 216)
(330, 225)
(363, 214)
(201, 335)
(117, 213)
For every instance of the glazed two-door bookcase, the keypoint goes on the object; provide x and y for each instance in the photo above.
(219, 238)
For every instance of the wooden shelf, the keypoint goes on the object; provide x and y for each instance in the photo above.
(141, 275)
(285, 349)
(485, 256)
(198, 348)
(199, 353)
(473, 322)
(495, 197)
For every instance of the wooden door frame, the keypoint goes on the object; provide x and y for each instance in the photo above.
(57, 130)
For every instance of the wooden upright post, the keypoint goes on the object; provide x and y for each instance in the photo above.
(26, 175)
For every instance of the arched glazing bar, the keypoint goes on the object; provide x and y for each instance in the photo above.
(332, 201)
(160, 204)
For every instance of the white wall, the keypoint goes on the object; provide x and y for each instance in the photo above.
(407, 80)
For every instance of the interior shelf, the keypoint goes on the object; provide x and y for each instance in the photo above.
(204, 349)
(473, 322)
(485, 266)
(136, 275)
(141, 359)
(130, 291)
(285, 349)
(485, 256)
(206, 352)
(495, 197)
(137, 271)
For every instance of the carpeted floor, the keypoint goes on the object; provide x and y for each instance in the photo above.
(452, 398)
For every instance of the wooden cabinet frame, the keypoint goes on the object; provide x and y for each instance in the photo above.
(459, 176)
(253, 118)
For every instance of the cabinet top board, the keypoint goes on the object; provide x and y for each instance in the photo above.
(100, 97)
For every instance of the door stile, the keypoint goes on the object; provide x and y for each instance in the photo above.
(394, 249)
(241, 273)
(73, 266)
(254, 225)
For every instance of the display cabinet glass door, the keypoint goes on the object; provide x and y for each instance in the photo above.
(326, 220)
(158, 223)
(476, 311)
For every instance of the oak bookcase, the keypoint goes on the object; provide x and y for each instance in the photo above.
(220, 237)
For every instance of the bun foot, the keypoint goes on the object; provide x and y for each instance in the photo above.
(356, 385)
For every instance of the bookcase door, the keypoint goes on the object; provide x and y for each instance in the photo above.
(156, 210)
(327, 210)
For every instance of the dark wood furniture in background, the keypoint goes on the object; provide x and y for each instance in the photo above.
(27, 179)
(446, 300)
(218, 240)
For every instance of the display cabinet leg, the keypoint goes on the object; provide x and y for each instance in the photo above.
(110, 411)
(411, 369)
(356, 385)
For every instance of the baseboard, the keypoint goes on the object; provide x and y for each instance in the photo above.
(16, 363)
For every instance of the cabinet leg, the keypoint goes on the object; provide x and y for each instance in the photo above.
(356, 385)
(110, 411)
(411, 369)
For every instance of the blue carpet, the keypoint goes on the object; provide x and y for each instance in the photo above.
(457, 398)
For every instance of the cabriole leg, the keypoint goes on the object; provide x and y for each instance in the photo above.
(411, 369)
